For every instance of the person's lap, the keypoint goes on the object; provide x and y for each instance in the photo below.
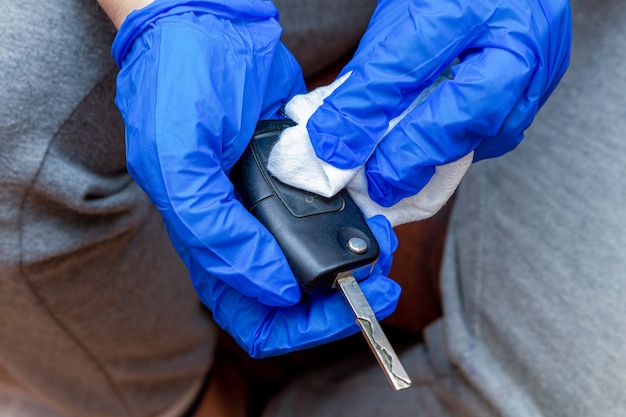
(532, 278)
(528, 257)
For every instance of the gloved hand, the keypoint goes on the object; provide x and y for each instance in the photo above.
(265, 331)
(511, 54)
(195, 77)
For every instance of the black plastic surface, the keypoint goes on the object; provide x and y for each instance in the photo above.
(312, 231)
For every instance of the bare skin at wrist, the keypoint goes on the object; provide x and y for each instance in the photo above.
(117, 10)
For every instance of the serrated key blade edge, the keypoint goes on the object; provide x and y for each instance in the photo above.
(376, 338)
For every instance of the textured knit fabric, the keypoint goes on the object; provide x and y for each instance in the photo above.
(97, 315)
(534, 277)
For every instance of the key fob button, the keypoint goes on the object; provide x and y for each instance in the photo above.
(357, 245)
(303, 223)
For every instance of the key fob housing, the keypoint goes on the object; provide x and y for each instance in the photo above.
(320, 237)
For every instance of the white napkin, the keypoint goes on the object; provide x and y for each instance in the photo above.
(293, 161)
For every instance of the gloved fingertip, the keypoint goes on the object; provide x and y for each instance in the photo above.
(331, 149)
(379, 221)
(386, 190)
(383, 194)
(383, 231)
(387, 241)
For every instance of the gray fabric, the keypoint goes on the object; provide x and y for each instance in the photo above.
(534, 273)
(97, 314)
(537, 318)
(321, 32)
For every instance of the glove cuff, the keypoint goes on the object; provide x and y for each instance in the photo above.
(140, 20)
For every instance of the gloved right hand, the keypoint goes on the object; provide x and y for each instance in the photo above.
(507, 57)
(267, 331)
(195, 77)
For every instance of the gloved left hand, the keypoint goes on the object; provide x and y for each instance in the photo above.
(195, 77)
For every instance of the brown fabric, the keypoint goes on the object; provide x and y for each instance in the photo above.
(416, 266)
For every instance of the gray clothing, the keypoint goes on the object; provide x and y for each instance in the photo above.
(97, 314)
(533, 281)
(321, 32)
(92, 296)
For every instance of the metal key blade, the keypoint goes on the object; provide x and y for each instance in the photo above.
(378, 342)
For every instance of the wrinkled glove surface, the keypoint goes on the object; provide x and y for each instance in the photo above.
(293, 161)
(195, 77)
(265, 331)
(511, 53)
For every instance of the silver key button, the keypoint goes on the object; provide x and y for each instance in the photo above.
(357, 245)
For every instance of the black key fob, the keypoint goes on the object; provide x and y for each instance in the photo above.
(320, 237)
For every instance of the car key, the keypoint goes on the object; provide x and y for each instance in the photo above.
(326, 241)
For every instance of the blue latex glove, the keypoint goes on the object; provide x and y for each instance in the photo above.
(512, 53)
(195, 77)
(265, 331)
